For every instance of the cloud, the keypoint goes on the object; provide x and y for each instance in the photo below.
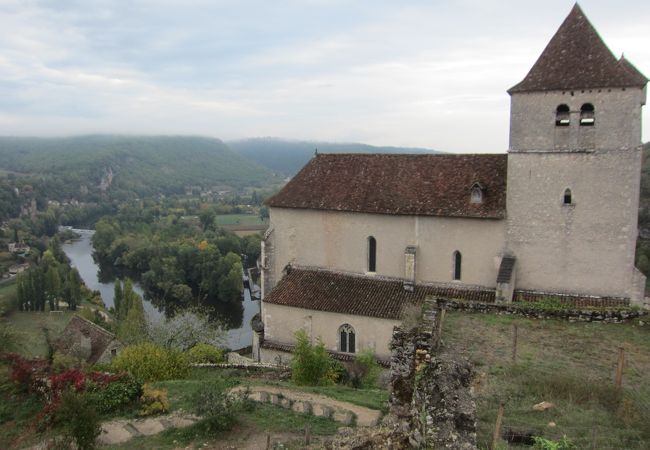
(393, 73)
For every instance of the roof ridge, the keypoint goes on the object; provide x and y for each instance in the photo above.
(99, 328)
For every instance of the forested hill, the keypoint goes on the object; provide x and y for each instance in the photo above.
(144, 165)
(288, 156)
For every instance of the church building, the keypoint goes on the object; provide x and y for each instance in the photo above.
(355, 240)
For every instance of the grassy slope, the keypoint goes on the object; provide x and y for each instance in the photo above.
(7, 292)
(569, 364)
(33, 327)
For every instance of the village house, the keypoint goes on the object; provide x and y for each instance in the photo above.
(354, 239)
(85, 340)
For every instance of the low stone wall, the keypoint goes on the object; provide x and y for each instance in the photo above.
(572, 315)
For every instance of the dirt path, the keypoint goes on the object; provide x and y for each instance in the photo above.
(316, 404)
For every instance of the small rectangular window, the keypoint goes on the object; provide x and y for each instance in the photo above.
(351, 345)
(344, 341)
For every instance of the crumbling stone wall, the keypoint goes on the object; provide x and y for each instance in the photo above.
(431, 404)
(429, 391)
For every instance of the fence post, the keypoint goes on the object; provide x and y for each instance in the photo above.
(619, 368)
(515, 330)
(307, 435)
(497, 427)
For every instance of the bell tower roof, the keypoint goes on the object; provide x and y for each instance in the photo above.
(577, 58)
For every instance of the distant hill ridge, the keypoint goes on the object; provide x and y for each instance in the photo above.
(141, 164)
(288, 156)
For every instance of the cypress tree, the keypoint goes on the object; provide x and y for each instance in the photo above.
(118, 298)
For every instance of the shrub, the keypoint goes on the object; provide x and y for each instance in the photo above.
(205, 353)
(311, 364)
(77, 416)
(122, 391)
(365, 370)
(26, 373)
(151, 362)
(547, 444)
(218, 407)
(62, 362)
(154, 401)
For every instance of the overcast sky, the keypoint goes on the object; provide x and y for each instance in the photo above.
(411, 73)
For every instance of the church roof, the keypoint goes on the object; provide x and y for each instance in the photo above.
(577, 58)
(422, 184)
(345, 293)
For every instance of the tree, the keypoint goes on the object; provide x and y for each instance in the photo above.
(207, 218)
(252, 247)
(185, 330)
(118, 298)
(311, 364)
(264, 212)
(73, 289)
(133, 329)
(53, 283)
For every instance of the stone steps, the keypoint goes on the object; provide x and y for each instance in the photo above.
(317, 405)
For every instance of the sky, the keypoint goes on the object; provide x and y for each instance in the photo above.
(406, 73)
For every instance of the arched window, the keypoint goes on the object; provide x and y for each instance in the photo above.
(562, 118)
(567, 196)
(477, 194)
(347, 339)
(372, 254)
(458, 262)
(587, 116)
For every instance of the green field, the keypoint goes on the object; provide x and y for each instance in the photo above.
(36, 328)
(239, 219)
(7, 294)
(571, 365)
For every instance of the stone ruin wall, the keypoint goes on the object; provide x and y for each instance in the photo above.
(431, 404)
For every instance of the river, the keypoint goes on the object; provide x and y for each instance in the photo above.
(236, 318)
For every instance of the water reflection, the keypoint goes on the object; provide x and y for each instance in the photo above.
(234, 316)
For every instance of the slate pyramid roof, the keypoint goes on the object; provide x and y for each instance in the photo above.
(577, 58)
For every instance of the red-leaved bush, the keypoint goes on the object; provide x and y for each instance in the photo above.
(34, 376)
(25, 372)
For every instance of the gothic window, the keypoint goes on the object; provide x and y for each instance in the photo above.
(477, 194)
(347, 339)
(457, 264)
(587, 117)
(567, 197)
(562, 118)
(372, 254)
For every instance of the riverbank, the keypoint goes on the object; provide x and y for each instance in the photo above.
(80, 251)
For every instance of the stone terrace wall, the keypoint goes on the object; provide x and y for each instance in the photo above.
(572, 315)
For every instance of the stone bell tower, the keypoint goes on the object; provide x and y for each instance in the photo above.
(574, 168)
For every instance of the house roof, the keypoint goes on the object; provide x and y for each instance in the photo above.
(77, 327)
(423, 184)
(345, 293)
(577, 58)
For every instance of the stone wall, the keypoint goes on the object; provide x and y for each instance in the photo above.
(572, 315)
(430, 392)
(338, 241)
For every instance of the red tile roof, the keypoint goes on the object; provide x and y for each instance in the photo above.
(424, 184)
(359, 295)
(577, 58)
